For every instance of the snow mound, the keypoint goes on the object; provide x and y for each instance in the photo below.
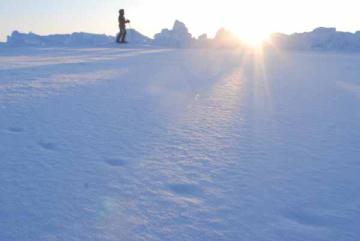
(178, 37)
(323, 39)
(225, 39)
(74, 39)
(202, 41)
(136, 37)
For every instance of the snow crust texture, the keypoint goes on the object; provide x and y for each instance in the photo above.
(155, 144)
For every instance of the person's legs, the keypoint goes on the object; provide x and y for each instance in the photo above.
(123, 36)
(118, 36)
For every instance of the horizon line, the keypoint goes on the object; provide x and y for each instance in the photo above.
(192, 35)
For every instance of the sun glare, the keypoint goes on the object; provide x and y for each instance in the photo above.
(253, 35)
(254, 39)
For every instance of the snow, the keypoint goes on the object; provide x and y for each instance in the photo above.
(178, 36)
(323, 39)
(136, 37)
(320, 39)
(225, 39)
(74, 39)
(163, 144)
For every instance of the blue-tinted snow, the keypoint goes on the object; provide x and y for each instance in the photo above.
(152, 144)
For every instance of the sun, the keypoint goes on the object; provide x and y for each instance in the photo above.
(254, 38)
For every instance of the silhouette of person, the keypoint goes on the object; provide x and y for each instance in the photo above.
(122, 25)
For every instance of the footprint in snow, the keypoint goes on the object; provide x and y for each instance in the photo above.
(184, 189)
(116, 162)
(15, 129)
(313, 218)
(48, 146)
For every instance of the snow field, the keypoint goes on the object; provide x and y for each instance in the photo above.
(161, 144)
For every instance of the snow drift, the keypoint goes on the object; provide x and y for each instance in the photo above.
(136, 37)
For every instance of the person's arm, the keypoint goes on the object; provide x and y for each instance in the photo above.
(127, 21)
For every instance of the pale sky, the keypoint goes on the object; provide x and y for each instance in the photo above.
(247, 18)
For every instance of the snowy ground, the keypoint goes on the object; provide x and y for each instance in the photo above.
(152, 144)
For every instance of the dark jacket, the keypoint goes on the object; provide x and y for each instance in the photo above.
(122, 22)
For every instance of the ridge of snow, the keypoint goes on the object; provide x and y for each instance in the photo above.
(178, 36)
(324, 39)
(321, 39)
